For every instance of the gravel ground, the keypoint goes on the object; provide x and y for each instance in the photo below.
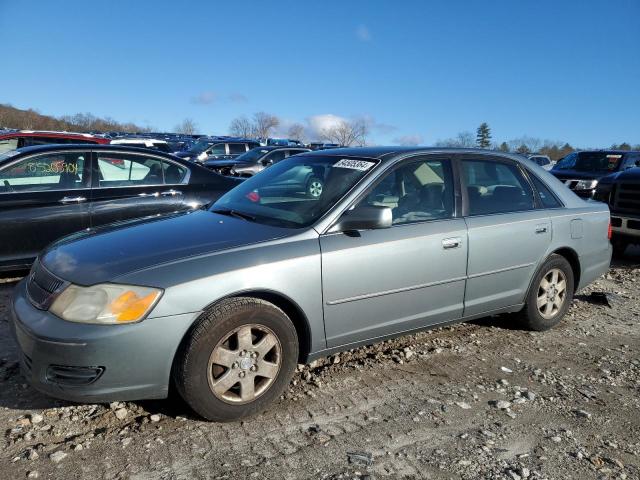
(478, 400)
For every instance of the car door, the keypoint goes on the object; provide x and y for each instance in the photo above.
(381, 282)
(508, 236)
(42, 197)
(131, 185)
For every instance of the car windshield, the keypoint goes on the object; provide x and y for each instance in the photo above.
(200, 146)
(252, 155)
(294, 193)
(590, 162)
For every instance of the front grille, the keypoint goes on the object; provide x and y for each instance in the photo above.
(627, 197)
(43, 286)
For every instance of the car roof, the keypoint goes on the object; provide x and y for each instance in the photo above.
(42, 133)
(391, 153)
(87, 146)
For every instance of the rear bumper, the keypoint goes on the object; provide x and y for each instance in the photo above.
(626, 226)
(95, 363)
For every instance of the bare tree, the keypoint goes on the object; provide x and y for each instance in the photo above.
(347, 133)
(462, 140)
(241, 127)
(263, 124)
(296, 132)
(187, 126)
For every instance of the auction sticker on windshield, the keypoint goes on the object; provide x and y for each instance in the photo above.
(354, 164)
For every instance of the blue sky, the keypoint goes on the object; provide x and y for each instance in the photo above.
(561, 70)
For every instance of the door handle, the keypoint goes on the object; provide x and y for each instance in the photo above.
(66, 200)
(448, 243)
(155, 194)
(541, 229)
(171, 193)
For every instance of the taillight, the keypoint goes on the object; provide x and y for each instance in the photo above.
(609, 231)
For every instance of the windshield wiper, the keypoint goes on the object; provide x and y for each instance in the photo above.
(235, 213)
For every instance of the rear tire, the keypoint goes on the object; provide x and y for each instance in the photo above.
(238, 358)
(549, 296)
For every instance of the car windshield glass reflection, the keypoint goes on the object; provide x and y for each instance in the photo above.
(296, 192)
(590, 162)
(252, 155)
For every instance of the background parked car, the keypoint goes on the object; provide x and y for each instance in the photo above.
(50, 191)
(581, 171)
(543, 160)
(621, 191)
(217, 148)
(28, 138)
(152, 143)
(253, 161)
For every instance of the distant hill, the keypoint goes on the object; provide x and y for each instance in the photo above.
(11, 117)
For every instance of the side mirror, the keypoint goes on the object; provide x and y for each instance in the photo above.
(364, 217)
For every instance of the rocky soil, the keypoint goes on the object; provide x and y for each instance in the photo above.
(478, 400)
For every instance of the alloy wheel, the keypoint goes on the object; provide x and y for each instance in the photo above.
(315, 188)
(244, 364)
(552, 293)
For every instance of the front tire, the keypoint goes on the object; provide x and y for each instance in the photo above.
(549, 296)
(238, 358)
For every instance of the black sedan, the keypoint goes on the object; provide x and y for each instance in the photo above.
(50, 191)
(254, 161)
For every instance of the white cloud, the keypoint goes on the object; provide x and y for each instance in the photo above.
(237, 98)
(205, 98)
(363, 33)
(409, 140)
(316, 124)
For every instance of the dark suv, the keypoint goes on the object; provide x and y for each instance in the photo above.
(217, 148)
(621, 191)
(581, 171)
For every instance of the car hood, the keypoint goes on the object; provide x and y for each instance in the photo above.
(578, 175)
(104, 254)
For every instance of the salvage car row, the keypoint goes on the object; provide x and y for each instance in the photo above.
(319, 252)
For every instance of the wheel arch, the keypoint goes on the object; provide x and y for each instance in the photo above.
(574, 260)
(286, 304)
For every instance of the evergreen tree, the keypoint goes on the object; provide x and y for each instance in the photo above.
(483, 135)
(503, 147)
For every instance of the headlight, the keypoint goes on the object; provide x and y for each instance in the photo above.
(105, 304)
(586, 184)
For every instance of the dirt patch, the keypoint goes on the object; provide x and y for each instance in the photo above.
(478, 400)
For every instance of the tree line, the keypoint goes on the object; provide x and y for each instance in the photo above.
(263, 125)
(524, 145)
(353, 132)
(11, 117)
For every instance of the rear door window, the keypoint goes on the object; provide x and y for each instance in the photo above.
(547, 198)
(237, 148)
(127, 170)
(495, 187)
(51, 171)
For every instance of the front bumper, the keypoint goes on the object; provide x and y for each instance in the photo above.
(626, 226)
(95, 363)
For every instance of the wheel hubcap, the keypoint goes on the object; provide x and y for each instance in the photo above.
(315, 189)
(552, 292)
(244, 364)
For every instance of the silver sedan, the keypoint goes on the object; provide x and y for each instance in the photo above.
(225, 301)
